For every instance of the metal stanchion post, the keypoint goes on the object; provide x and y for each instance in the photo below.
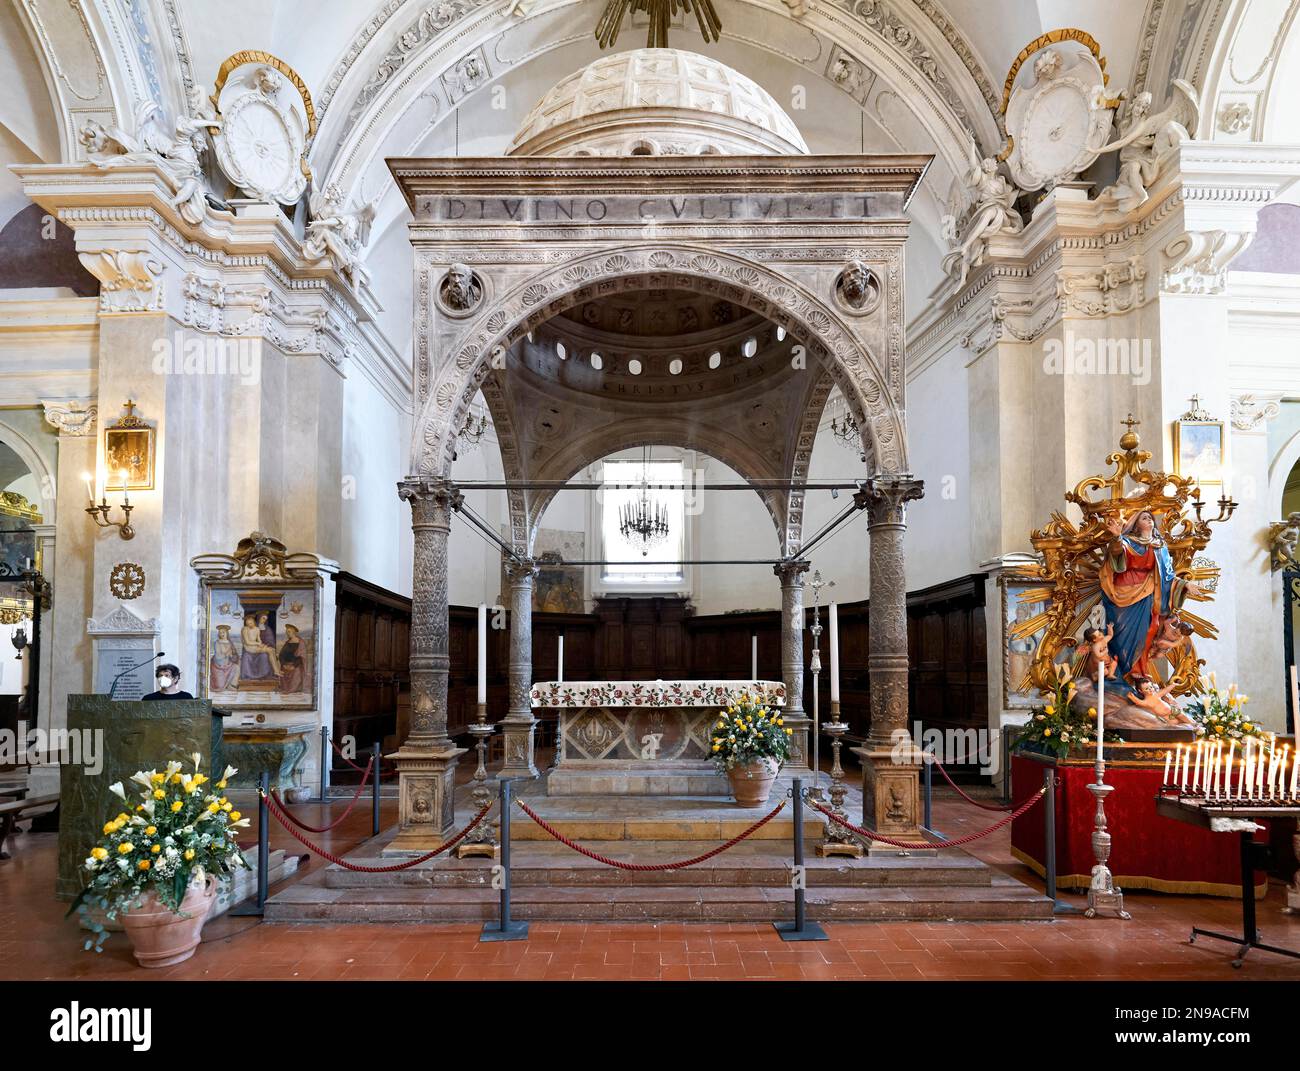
(801, 929)
(324, 764)
(255, 905)
(374, 792)
(929, 795)
(1049, 823)
(505, 928)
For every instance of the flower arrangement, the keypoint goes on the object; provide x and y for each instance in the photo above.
(1057, 725)
(748, 731)
(1222, 716)
(178, 831)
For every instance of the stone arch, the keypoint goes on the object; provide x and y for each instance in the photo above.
(831, 343)
(512, 465)
(946, 88)
(650, 431)
(36, 463)
(1278, 470)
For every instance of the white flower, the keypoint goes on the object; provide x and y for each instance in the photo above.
(196, 758)
(230, 772)
(143, 777)
(91, 863)
(117, 790)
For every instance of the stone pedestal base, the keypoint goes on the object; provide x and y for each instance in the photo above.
(891, 798)
(426, 782)
(518, 740)
(800, 763)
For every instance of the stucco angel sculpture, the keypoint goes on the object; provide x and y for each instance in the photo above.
(993, 212)
(178, 152)
(1145, 141)
(336, 234)
(1283, 539)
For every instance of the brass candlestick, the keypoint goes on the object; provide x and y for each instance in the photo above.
(1102, 892)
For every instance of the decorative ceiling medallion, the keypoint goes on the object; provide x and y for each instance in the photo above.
(659, 13)
(126, 581)
(266, 119)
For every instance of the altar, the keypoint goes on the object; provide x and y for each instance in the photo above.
(640, 737)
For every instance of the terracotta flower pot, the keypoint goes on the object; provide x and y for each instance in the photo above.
(161, 937)
(752, 782)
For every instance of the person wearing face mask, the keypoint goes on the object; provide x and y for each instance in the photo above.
(169, 684)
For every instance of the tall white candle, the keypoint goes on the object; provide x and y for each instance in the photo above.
(126, 501)
(1196, 768)
(1248, 769)
(559, 660)
(1295, 767)
(90, 487)
(1164, 778)
(1227, 768)
(1101, 709)
(482, 653)
(1281, 770)
(1182, 758)
(1259, 774)
(1212, 768)
(835, 652)
(753, 656)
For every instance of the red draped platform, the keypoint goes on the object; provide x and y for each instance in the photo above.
(1147, 851)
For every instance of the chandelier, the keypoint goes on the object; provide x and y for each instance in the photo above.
(473, 430)
(644, 520)
(659, 13)
(846, 432)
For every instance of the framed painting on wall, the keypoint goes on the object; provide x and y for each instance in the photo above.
(1198, 450)
(129, 449)
(1018, 652)
(261, 627)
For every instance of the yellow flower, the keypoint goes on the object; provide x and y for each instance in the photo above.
(159, 794)
(789, 732)
(1047, 732)
(176, 806)
(1246, 726)
(157, 779)
(213, 808)
(109, 827)
(1049, 710)
(176, 779)
(225, 806)
(144, 864)
(99, 853)
(149, 831)
(189, 853)
(156, 849)
(125, 847)
(1092, 712)
(221, 783)
(234, 816)
(717, 747)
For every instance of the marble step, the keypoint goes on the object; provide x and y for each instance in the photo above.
(759, 864)
(1003, 898)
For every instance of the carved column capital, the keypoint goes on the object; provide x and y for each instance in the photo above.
(1252, 412)
(434, 497)
(791, 573)
(520, 571)
(72, 418)
(885, 498)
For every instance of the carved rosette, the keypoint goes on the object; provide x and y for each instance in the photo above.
(518, 726)
(887, 498)
(432, 502)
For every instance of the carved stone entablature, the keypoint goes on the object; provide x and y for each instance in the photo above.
(73, 418)
(1250, 412)
(1115, 288)
(129, 280)
(260, 558)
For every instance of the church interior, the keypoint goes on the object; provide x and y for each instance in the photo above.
(649, 490)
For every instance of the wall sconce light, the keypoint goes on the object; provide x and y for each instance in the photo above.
(100, 513)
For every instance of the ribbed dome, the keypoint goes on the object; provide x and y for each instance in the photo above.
(657, 101)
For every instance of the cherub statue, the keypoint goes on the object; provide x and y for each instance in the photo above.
(1283, 540)
(1096, 652)
(1146, 139)
(994, 212)
(1154, 699)
(1172, 634)
(337, 234)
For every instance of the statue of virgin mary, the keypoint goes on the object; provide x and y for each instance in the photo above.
(1138, 591)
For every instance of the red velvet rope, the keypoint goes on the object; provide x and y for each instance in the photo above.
(345, 758)
(274, 809)
(930, 844)
(977, 803)
(648, 867)
(325, 829)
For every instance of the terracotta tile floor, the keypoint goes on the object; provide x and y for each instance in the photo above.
(36, 941)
